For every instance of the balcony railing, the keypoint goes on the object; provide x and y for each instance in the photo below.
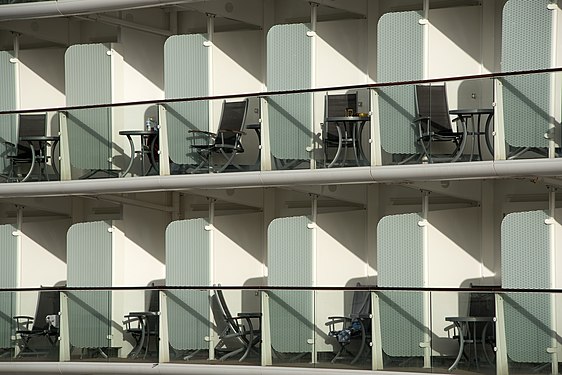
(450, 120)
(362, 327)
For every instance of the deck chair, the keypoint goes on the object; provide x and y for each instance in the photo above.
(227, 140)
(38, 335)
(337, 106)
(434, 124)
(236, 334)
(143, 325)
(356, 326)
(26, 154)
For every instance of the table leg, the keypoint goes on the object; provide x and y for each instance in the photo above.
(132, 145)
(461, 346)
(338, 152)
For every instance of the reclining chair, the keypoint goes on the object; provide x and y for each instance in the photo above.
(356, 326)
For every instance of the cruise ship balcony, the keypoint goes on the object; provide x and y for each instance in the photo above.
(280, 186)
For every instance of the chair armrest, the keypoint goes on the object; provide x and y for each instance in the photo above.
(338, 319)
(24, 320)
(421, 118)
(211, 134)
(249, 315)
(231, 131)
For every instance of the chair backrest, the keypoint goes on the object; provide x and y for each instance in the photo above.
(232, 118)
(48, 303)
(361, 303)
(431, 102)
(31, 125)
(337, 105)
(225, 323)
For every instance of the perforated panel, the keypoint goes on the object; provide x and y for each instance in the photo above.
(89, 264)
(526, 27)
(290, 256)
(186, 74)
(8, 101)
(188, 264)
(289, 67)
(526, 265)
(8, 279)
(88, 81)
(400, 58)
(401, 263)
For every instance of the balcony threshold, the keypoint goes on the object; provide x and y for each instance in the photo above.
(529, 168)
(77, 368)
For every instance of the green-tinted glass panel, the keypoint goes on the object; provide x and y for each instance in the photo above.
(8, 101)
(399, 58)
(186, 75)
(525, 250)
(88, 80)
(290, 256)
(401, 263)
(188, 264)
(289, 67)
(89, 264)
(8, 279)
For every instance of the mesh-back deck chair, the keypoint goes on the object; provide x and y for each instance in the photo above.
(142, 325)
(356, 326)
(337, 105)
(434, 124)
(236, 334)
(227, 140)
(44, 325)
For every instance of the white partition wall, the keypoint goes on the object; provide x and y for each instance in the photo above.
(291, 263)
(90, 264)
(8, 279)
(527, 255)
(188, 263)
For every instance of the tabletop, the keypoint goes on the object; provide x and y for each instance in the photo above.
(347, 118)
(472, 111)
(470, 318)
(40, 138)
(138, 132)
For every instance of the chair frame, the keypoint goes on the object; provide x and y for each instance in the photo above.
(430, 130)
(219, 143)
(363, 319)
(240, 327)
(343, 140)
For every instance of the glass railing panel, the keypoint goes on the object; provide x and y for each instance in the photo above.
(138, 326)
(531, 333)
(291, 327)
(529, 120)
(92, 330)
(463, 332)
(404, 330)
(344, 132)
(344, 329)
(438, 122)
(291, 131)
(7, 326)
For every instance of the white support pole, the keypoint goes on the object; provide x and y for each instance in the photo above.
(426, 344)
(425, 23)
(209, 45)
(64, 333)
(499, 131)
(163, 340)
(313, 227)
(210, 229)
(554, 102)
(312, 34)
(553, 350)
(163, 151)
(501, 346)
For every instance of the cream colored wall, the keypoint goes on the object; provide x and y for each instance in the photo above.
(238, 258)
(41, 78)
(454, 261)
(341, 261)
(42, 259)
(455, 50)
